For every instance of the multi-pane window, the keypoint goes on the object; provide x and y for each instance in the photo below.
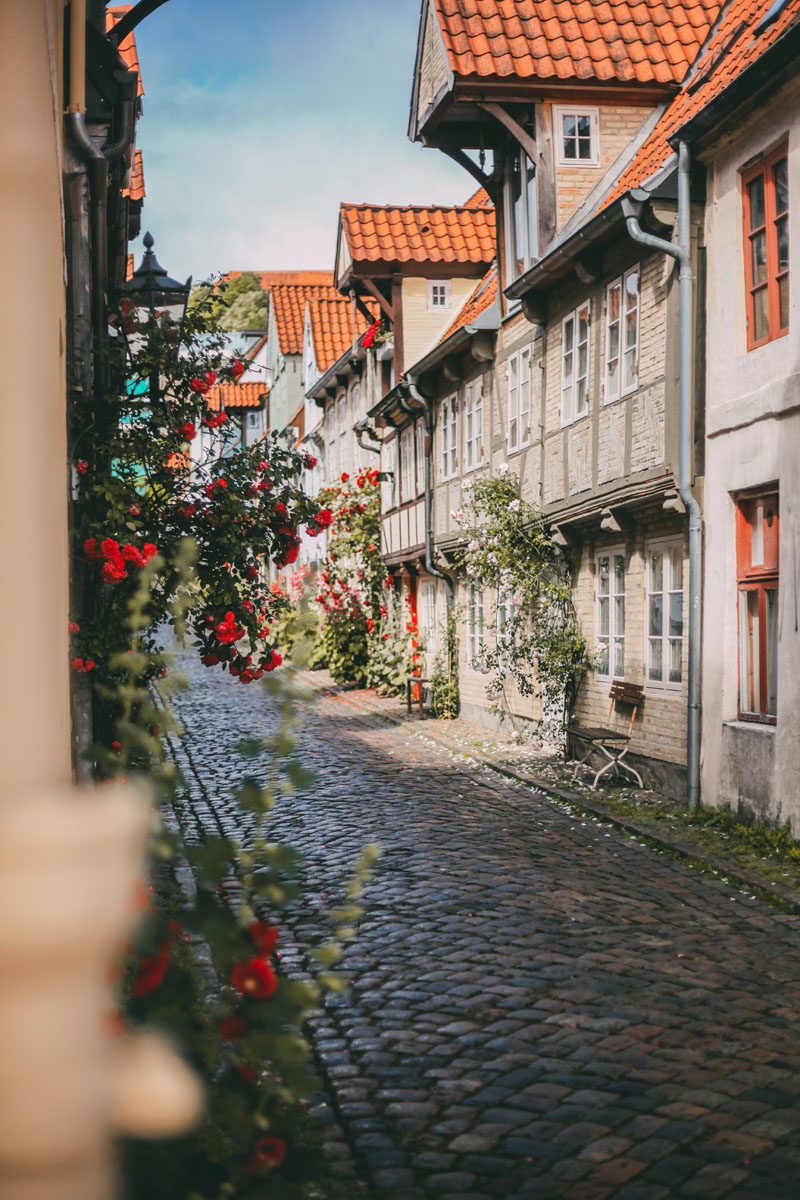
(407, 469)
(577, 140)
(355, 402)
(506, 610)
(389, 470)
(521, 224)
(610, 614)
(664, 609)
(519, 399)
(449, 438)
(333, 461)
(439, 293)
(765, 192)
(575, 365)
(429, 615)
(419, 440)
(757, 536)
(475, 637)
(622, 335)
(473, 424)
(341, 415)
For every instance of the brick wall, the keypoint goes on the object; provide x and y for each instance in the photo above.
(618, 126)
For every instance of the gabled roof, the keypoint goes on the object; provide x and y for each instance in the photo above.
(288, 305)
(135, 189)
(740, 39)
(237, 395)
(418, 233)
(481, 299)
(271, 279)
(479, 199)
(127, 47)
(630, 41)
(334, 327)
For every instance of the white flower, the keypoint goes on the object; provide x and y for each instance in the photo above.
(467, 484)
(473, 546)
(502, 469)
(458, 517)
(514, 505)
(517, 599)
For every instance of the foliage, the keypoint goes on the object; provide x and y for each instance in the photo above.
(135, 497)
(233, 304)
(352, 581)
(444, 679)
(241, 1025)
(394, 649)
(539, 646)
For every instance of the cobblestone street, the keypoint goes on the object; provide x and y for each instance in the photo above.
(540, 1006)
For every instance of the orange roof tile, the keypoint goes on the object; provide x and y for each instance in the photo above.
(479, 199)
(416, 233)
(629, 41)
(333, 326)
(135, 189)
(127, 47)
(237, 395)
(477, 302)
(270, 279)
(289, 310)
(734, 46)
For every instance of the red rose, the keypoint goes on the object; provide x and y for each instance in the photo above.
(82, 466)
(113, 571)
(210, 378)
(148, 550)
(129, 553)
(311, 462)
(109, 548)
(267, 1152)
(247, 1073)
(209, 660)
(187, 431)
(198, 386)
(265, 936)
(151, 972)
(74, 627)
(255, 978)
(273, 661)
(115, 746)
(345, 477)
(234, 1028)
(324, 517)
(134, 510)
(237, 369)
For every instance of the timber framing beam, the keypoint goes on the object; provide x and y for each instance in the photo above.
(519, 134)
(386, 307)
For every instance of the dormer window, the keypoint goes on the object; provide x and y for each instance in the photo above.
(521, 214)
(439, 294)
(577, 139)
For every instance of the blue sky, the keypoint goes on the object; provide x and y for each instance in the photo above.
(261, 116)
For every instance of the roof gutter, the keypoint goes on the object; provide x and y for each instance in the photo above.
(682, 254)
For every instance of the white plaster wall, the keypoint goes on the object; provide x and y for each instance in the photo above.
(753, 438)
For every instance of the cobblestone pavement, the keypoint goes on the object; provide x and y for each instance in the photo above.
(540, 1006)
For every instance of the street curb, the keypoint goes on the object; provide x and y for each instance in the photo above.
(693, 855)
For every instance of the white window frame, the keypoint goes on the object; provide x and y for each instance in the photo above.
(664, 546)
(341, 420)
(407, 468)
(389, 468)
(520, 389)
(560, 111)
(438, 295)
(450, 437)
(473, 425)
(569, 391)
(333, 451)
(419, 447)
(529, 250)
(613, 636)
(614, 390)
(355, 402)
(429, 614)
(476, 635)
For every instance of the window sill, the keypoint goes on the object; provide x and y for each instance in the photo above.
(470, 470)
(518, 449)
(663, 689)
(575, 420)
(759, 726)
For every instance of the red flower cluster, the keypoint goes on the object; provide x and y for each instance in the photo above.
(234, 1028)
(212, 487)
(322, 520)
(227, 630)
(215, 420)
(82, 466)
(83, 667)
(115, 559)
(187, 511)
(310, 462)
(74, 627)
(237, 369)
(369, 337)
(201, 386)
(187, 431)
(265, 936)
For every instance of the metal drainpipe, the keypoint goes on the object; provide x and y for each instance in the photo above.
(682, 252)
(362, 431)
(427, 411)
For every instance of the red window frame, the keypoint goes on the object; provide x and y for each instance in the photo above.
(758, 578)
(772, 230)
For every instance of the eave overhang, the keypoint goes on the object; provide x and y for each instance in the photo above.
(328, 384)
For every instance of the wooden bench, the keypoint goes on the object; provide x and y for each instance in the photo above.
(410, 681)
(611, 740)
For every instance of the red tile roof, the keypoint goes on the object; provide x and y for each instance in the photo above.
(416, 233)
(479, 199)
(270, 279)
(288, 303)
(477, 302)
(734, 46)
(135, 189)
(629, 41)
(333, 327)
(127, 47)
(237, 395)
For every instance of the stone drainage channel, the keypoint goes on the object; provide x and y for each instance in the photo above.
(540, 1005)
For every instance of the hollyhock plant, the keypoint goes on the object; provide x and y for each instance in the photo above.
(255, 978)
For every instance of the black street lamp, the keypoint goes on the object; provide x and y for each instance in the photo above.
(150, 301)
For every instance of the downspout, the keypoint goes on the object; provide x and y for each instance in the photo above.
(427, 410)
(682, 253)
(362, 430)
